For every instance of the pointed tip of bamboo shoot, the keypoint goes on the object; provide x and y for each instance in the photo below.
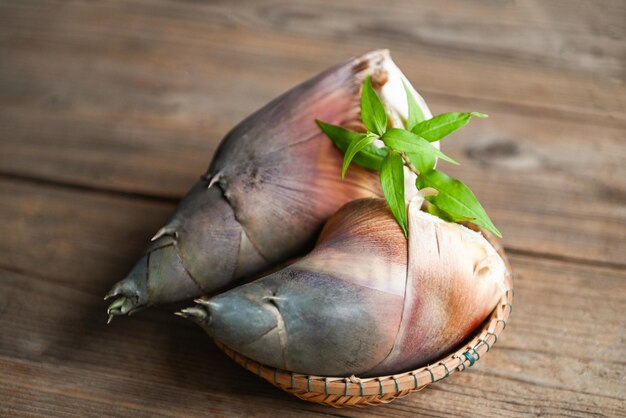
(166, 230)
(196, 313)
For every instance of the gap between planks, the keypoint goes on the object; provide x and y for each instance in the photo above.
(52, 183)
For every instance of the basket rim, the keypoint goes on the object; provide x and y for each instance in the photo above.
(351, 390)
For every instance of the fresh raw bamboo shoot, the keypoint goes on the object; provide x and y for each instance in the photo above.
(366, 301)
(273, 182)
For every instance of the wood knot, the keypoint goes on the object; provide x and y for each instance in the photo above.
(503, 153)
(495, 150)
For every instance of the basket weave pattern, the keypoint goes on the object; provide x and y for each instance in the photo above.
(359, 392)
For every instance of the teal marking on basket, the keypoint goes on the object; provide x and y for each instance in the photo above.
(486, 343)
(276, 376)
(415, 378)
(495, 337)
(432, 376)
(503, 322)
(293, 385)
(345, 389)
(447, 371)
(260, 369)
(380, 385)
(308, 383)
(470, 358)
(325, 387)
(361, 389)
(476, 353)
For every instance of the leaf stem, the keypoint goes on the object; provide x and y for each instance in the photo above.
(407, 162)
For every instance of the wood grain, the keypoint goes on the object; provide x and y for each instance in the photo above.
(565, 342)
(61, 354)
(110, 110)
(278, 37)
(87, 241)
(547, 187)
(150, 125)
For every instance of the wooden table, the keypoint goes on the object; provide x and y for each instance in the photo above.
(109, 111)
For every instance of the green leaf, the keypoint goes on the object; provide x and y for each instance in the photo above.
(415, 112)
(443, 125)
(455, 198)
(392, 181)
(369, 157)
(405, 141)
(440, 213)
(355, 146)
(423, 162)
(372, 109)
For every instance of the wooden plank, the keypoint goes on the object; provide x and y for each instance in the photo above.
(80, 59)
(540, 56)
(123, 106)
(108, 112)
(550, 189)
(563, 350)
(84, 240)
(562, 353)
(573, 36)
(35, 391)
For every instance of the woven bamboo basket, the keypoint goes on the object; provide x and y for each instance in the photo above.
(352, 391)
